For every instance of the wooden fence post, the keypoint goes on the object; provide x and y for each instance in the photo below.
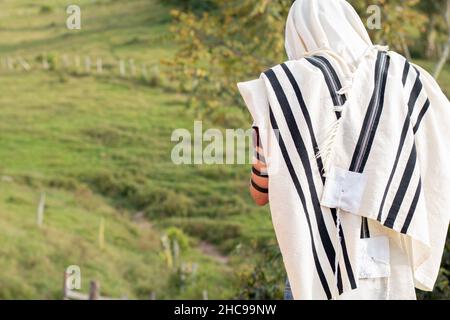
(25, 65)
(94, 290)
(175, 252)
(132, 67)
(65, 61)
(144, 72)
(77, 63)
(101, 234)
(122, 70)
(87, 63)
(65, 290)
(99, 66)
(10, 63)
(40, 210)
(45, 64)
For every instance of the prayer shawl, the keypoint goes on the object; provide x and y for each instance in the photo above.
(357, 145)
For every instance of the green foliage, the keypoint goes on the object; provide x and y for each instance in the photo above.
(32, 260)
(192, 5)
(226, 234)
(138, 192)
(242, 38)
(237, 41)
(168, 203)
(98, 147)
(176, 234)
(437, 29)
(401, 22)
(266, 280)
(45, 9)
(184, 275)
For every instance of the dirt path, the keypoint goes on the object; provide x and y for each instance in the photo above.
(211, 250)
(205, 247)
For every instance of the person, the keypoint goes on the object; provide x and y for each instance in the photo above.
(259, 187)
(351, 143)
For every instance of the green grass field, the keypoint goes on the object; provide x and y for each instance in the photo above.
(99, 147)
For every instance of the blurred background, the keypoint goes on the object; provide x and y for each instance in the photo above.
(86, 177)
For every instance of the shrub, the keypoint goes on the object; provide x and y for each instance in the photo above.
(45, 9)
(138, 192)
(197, 6)
(167, 203)
(226, 235)
(265, 279)
(176, 234)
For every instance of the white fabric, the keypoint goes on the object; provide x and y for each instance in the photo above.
(399, 286)
(344, 189)
(428, 229)
(373, 259)
(325, 24)
(404, 148)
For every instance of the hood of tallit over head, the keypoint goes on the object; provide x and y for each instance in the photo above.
(325, 24)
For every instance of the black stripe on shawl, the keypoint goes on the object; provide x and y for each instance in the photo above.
(300, 193)
(411, 103)
(334, 76)
(374, 110)
(378, 114)
(417, 88)
(370, 125)
(308, 121)
(394, 168)
(367, 117)
(421, 115)
(365, 232)
(412, 209)
(304, 157)
(404, 184)
(307, 117)
(335, 97)
(405, 72)
(343, 99)
(297, 90)
(348, 265)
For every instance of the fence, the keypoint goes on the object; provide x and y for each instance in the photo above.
(93, 294)
(82, 64)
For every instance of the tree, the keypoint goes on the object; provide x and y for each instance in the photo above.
(446, 51)
(241, 38)
(400, 22)
(432, 9)
(196, 6)
(237, 41)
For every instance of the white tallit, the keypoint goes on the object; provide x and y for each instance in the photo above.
(351, 130)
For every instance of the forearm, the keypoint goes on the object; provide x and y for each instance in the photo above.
(259, 182)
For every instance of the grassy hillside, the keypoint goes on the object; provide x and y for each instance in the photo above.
(99, 147)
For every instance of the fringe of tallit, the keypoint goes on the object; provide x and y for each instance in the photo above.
(326, 147)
